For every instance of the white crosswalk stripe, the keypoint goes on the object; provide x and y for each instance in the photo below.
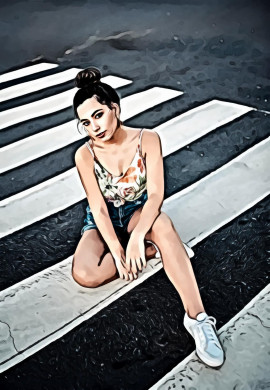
(16, 74)
(36, 85)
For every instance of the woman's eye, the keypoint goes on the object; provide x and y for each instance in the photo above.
(87, 123)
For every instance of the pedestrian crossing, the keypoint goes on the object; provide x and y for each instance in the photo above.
(31, 296)
(62, 191)
(30, 148)
(191, 125)
(244, 182)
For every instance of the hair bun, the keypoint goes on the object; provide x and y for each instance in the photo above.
(87, 76)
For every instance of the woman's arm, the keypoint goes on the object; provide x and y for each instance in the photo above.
(85, 166)
(155, 183)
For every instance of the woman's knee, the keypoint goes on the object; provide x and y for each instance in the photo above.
(89, 252)
(162, 225)
(85, 278)
(82, 273)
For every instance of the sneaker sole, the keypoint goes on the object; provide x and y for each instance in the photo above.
(207, 363)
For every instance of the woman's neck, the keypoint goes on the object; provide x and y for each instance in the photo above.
(117, 139)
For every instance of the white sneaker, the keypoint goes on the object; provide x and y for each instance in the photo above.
(189, 251)
(157, 254)
(208, 347)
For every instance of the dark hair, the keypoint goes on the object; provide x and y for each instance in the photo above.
(89, 84)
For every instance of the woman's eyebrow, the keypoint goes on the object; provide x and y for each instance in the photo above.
(92, 114)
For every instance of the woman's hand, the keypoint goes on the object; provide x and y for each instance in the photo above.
(119, 258)
(135, 253)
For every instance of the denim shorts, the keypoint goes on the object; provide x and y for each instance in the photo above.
(120, 216)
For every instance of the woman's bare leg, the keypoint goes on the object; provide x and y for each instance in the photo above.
(175, 260)
(93, 264)
(177, 265)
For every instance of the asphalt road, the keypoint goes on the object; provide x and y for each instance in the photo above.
(208, 50)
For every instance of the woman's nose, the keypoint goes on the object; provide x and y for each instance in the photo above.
(94, 126)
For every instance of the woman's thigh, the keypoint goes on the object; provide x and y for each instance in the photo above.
(89, 263)
(150, 246)
(134, 220)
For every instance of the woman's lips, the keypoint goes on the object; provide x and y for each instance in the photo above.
(101, 134)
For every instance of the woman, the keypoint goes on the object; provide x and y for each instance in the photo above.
(122, 208)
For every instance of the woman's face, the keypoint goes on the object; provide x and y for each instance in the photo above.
(97, 118)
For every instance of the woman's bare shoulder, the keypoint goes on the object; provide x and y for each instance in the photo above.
(83, 152)
(147, 138)
(149, 135)
(133, 130)
(150, 138)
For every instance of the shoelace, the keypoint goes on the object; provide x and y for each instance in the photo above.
(206, 331)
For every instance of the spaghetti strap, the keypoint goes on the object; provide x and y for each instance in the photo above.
(140, 150)
(90, 149)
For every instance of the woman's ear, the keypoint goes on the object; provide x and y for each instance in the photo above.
(116, 108)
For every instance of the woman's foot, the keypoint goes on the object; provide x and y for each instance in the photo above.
(208, 347)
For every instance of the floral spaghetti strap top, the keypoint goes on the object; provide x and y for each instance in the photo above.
(127, 187)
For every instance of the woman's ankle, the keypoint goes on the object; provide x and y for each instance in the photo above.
(192, 315)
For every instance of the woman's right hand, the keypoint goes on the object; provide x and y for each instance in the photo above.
(120, 262)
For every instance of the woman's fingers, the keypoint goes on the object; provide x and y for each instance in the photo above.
(134, 266)
(139, 264)
(123, 273)
(128, 274)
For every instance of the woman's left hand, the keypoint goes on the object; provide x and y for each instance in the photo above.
(135, 253)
